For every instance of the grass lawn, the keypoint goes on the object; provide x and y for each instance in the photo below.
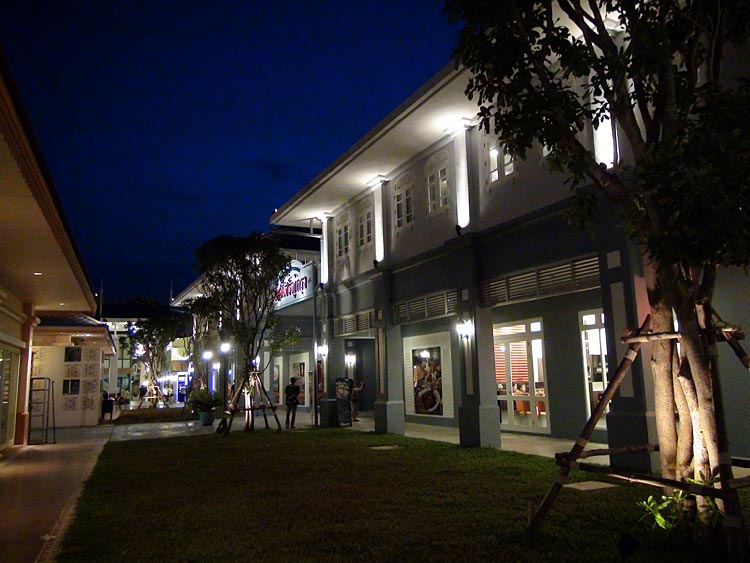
(332, 495)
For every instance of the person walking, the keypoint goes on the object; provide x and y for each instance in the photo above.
(291, 394)
(354, 397)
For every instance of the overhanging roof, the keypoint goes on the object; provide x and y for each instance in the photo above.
(34, 233)
(422, 120)
(73, 330)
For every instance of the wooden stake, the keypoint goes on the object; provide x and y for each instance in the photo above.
(588, 429)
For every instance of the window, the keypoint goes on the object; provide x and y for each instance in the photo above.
(437, 189)
(594, 348)
(437, 182)
(499, 162)
(71, 387)
(364, 227)
(403, 202)
(342, 240)
(520, 376)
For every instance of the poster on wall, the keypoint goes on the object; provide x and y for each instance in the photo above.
(298, 371)
(428, 376)
(427, 381)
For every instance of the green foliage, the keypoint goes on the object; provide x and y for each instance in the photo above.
(148, 338)
(541, 71)
(677, 514)
(203, 400)
(239, 280)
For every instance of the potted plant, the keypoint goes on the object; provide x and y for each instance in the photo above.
(204, 402)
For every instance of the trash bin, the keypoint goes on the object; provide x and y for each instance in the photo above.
(108, 407)
(328, 415)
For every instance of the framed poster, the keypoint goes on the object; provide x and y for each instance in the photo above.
(428, 377)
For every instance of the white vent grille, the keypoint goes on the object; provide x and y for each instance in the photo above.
(357, 322)
(427, 307)
(557, 279)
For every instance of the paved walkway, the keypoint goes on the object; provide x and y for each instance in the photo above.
(40, 485)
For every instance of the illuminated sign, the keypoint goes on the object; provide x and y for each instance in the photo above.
(296, 287)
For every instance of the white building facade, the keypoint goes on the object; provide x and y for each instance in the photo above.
(453, 286)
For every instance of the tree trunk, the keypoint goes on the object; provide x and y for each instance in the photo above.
(694, 350)
(684, 394)
(661, 368)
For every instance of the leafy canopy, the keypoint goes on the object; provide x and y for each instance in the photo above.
(542, 71)
(240, 277)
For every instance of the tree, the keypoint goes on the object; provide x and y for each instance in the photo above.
(203, 336)
(239, 281)
(542, 71)
(149, 340)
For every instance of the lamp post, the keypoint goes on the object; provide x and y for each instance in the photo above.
(321, 353)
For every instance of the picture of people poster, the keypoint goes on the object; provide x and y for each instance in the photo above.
(428, 381)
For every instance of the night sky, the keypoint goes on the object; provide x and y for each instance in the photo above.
(166, 123)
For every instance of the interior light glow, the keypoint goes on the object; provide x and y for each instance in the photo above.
(208, 354)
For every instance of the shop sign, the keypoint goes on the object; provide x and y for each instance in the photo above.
(296, 287)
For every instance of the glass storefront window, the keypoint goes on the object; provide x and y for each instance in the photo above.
(594, 350)
(520, 376)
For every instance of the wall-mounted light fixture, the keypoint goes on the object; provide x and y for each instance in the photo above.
(321, 351)
(465, 329)
(225, 347)
(350, 360)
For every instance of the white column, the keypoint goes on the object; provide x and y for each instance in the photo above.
(462, 177)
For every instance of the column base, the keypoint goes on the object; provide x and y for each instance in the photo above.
(633, 429)
(390, 417)
(479, 426)
(22, 429)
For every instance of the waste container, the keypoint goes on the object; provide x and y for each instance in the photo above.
(108, 407)
(328, 414)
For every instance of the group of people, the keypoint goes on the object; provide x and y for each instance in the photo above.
(291, 400)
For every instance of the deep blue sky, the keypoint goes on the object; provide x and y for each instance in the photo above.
(166, 123)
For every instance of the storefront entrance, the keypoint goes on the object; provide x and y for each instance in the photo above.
(520, 376)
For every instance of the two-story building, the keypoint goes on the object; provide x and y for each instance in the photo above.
(452, 284)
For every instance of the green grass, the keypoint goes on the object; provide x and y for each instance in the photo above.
(326, 495)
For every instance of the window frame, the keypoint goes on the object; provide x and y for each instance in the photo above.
(504, 165)
(438, 181)
(403, 202)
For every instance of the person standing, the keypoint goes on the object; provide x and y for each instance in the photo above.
(291, 394)
(354, 397)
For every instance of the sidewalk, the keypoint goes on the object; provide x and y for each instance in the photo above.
(40, 485)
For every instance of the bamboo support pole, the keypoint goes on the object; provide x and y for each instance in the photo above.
(650, 337)
(622, 370)
(652, 480)
(733, 528)
(648, 448)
